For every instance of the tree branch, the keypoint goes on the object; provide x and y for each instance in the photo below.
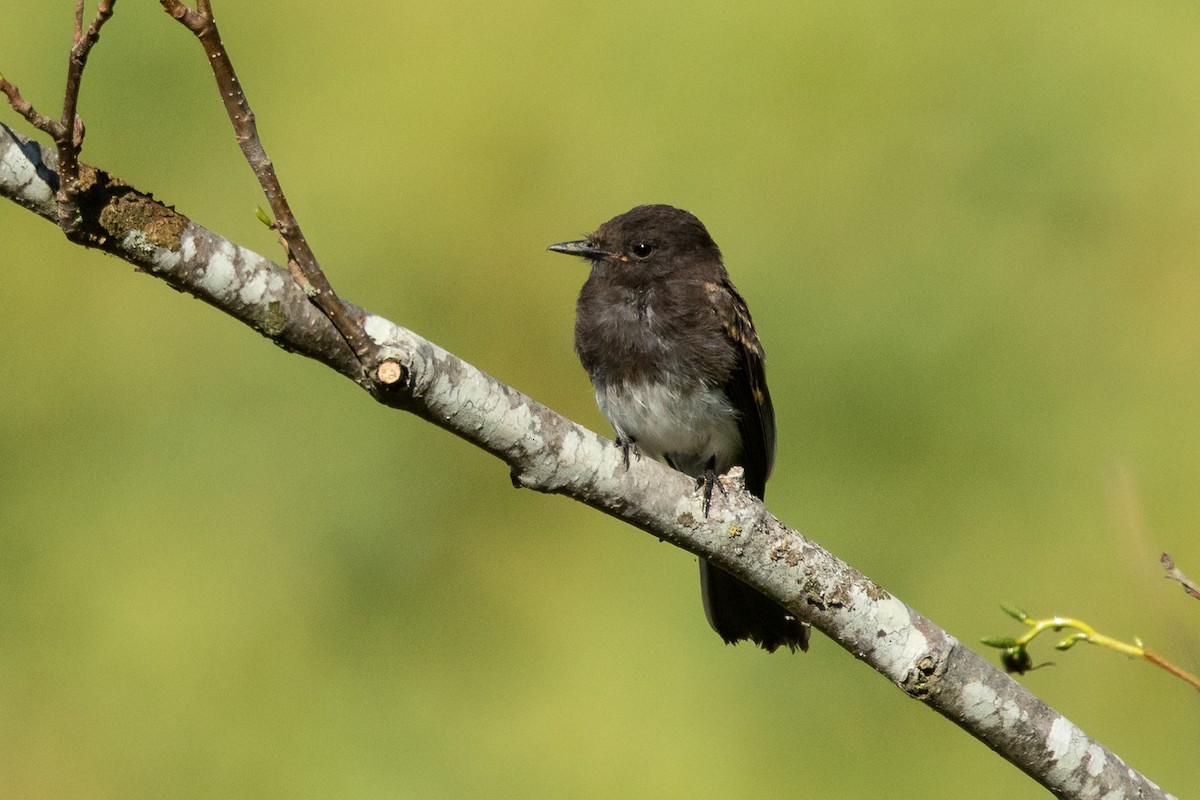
(549, 453)
(301, 258)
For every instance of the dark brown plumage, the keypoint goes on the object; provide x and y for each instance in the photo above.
(671, 350)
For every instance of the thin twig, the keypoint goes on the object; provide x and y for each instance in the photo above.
(25, 109)
(1176, 574)
(1015, 650)
(1154, 658)
(69, 136)
(200, 22)
(67, 131)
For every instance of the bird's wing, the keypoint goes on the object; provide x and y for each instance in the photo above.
(747, 386)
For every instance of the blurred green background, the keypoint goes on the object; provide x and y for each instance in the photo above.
(969, 237)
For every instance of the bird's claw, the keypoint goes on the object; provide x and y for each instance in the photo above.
(628, 449)
(704, 484)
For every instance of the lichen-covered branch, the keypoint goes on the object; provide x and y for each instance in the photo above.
(549, 453)
(301, 257)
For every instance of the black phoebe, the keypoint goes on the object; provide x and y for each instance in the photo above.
(668, 344)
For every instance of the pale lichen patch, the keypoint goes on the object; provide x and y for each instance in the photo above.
(220, 275)
(984, 707)
(187, 245)
(18, 171)
(1066, 744)
(159, 259)
(1095, 760)
(263, 284)
(381, 331)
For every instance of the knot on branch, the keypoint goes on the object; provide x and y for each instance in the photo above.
(390, 372)
(920, 680)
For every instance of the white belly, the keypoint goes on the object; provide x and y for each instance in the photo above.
(688, 428)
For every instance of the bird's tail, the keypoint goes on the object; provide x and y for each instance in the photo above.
(738, 611)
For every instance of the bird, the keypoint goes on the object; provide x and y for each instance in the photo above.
(678, 370)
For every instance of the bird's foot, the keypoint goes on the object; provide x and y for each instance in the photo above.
(704, 484)
(629, 449)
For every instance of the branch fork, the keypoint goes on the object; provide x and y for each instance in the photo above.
(80, 226)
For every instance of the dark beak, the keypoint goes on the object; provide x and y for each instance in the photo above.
(582, 248)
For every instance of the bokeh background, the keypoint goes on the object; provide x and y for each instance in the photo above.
(969, 235)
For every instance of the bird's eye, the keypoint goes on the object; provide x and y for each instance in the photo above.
(642, 250)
